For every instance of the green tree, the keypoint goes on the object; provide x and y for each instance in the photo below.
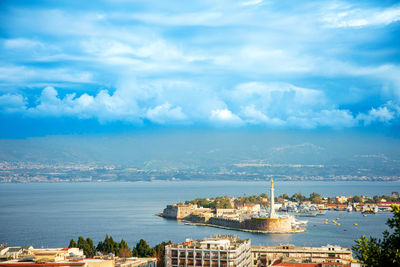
(357, 199)
(72, 244)
(315, 198)
(87, 246)
(159, 253)
(385, 252)
(124, 250)
(285, 196)
(377, 199)
(142, 249)
(108, 246)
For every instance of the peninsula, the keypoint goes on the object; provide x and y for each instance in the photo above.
(247, 217)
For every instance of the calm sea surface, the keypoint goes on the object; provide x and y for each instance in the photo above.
(49, 215)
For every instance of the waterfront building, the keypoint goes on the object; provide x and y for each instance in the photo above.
(250, 208)
(225, 212)
(180, 212)
(272, 255)
(218, 251)
(341, 199)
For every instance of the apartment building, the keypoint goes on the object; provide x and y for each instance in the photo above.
(218, 251)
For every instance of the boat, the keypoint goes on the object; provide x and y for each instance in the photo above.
(349, 208)
(368, 212)
(372, 210)
(365, 215)
(325, 222)
(300, 211)
(297, 223)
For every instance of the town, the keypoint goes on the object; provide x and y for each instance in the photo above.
(50, 172)
(220, 251)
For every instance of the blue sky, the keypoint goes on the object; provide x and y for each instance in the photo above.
(77, 66)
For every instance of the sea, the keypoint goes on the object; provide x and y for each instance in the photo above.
(51, 214)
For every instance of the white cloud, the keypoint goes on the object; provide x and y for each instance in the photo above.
(12, 103)
(254, 116)
(381, 114)
(276, 99)
(225, 117)
(20, 74)
(165, 113)
(335, 118)
(354, 17)
(22, 43)
(251, 3)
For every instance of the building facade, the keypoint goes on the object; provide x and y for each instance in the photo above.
(270, 255)
(219, 251)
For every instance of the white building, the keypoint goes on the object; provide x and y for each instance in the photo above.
(219, 251)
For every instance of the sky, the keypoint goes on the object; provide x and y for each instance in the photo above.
(110, 66)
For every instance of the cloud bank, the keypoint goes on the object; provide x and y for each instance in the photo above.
(226, 64)
(247, 104)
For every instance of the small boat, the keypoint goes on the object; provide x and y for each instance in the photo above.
(365, 215)
(349, 208)
(345, 230)
(325, 222)
(338, 224)
(315, 225)
(355, 224)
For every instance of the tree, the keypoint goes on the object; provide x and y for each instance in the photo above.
(124, 250)
(385, 252)
(285, 196)
(108, 246)
(87, 246)
(142, 249)
(159, 253)
(315, 198)
(72, 244)
(377, 199)
(357, 199)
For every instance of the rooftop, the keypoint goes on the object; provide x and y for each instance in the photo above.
(224, 242)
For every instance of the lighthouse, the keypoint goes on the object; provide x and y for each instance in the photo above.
(272, 213)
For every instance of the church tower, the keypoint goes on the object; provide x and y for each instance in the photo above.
(272, 213)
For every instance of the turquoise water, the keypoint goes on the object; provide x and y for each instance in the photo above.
(49, 215)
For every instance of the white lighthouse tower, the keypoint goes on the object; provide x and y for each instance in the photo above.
(272, 213)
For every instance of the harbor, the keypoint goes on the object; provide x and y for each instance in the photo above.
(126, 205)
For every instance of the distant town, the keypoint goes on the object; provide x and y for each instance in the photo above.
(30, 172)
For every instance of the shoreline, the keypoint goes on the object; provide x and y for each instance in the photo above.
(301, 230)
